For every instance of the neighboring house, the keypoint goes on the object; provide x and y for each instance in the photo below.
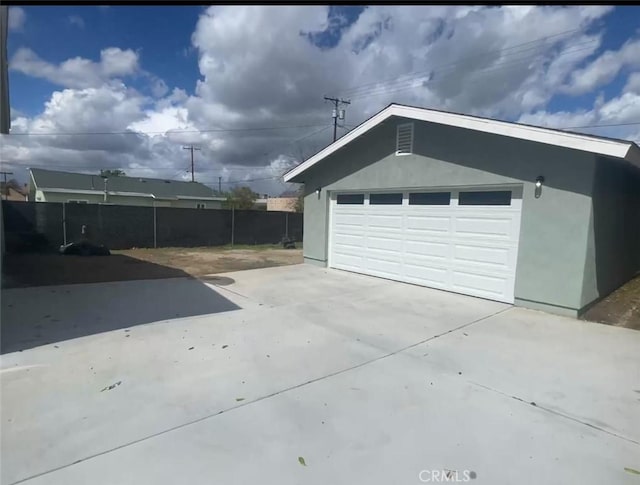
(53, 186)
(538, 217)
(285, 204)
(11, 193)
(260, 203)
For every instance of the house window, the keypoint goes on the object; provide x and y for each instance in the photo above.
(77, 201)
(489, 197)
(430, 198)
(350, 199)
(404, 139)
(385, 199)
(201, 205)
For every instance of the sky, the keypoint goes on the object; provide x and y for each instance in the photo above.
(129, 86)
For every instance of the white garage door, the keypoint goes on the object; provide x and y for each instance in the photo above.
(458, 240)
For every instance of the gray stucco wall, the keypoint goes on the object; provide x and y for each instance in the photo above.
(554, 228)
(613, 245)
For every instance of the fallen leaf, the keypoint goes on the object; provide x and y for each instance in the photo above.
(631, 470)
(112, 386)
(225, 346)
(191, 348)
(301, 460)
(239, 399)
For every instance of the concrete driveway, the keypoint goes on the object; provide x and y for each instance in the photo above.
(304, 375)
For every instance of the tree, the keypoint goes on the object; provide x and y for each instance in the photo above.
(14, 184)
(115, 172)
(241, 198)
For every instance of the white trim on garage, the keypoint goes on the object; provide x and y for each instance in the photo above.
(621, 149)
(469, 249)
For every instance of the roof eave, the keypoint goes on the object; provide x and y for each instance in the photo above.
(612, 148)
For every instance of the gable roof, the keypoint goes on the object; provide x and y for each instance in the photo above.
(611, 147)
(54, 181)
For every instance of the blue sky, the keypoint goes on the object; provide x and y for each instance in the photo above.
(88, 69)
(164, 43)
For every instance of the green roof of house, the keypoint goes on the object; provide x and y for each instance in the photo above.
(159, 188)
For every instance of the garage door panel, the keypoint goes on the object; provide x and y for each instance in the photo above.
(486, 227)
(426, 272)
(468, 282)
(496, 257)
(349, 240)
(467, 249)
(385, 243)
(429, 223)
(380, 264)
(345, 221)
(431, 249)
(384, 221)
(348, 261)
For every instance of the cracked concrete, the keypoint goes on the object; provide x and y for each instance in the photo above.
(366, 380)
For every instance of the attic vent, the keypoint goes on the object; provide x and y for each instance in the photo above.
(404, 139)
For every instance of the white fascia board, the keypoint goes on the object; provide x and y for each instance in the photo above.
(94, 192)
(190, 197)
(602, 146)
(70, 191)
(336, 145)
(128, 194)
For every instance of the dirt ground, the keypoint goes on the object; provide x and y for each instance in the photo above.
(23, 270)
(204, 261)
(621, 308)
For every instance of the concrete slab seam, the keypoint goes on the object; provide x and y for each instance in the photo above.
(262, 398)
(552, 411)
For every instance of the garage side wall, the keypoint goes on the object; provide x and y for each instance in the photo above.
(613, 251)
(554, 227)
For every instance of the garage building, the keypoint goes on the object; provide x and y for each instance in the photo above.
(542, 218)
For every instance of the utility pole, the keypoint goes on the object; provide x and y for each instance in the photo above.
(6, 189)
(336, 113)
(219, 185)
(191, 148)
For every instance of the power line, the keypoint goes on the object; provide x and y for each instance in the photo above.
(308, 135)
(353, 89)
(599, 126)
(409, 83)
(131, 132)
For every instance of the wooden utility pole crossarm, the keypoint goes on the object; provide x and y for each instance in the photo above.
(191, 148)
(336, 113)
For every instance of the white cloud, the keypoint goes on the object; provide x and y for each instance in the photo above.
(159, 88)
(77, 72)
(633, 83)
(604, 69)
(76, 20)
(504, 62)
(17, 18)
(623, 112)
